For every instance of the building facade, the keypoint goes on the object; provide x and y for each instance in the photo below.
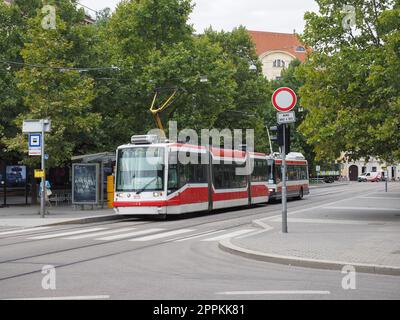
(352, 170)
(276, 51)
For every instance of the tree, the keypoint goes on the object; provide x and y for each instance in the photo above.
(351, 81)
(52, 89)
(251, 107)
(13, 26)
(298, 140)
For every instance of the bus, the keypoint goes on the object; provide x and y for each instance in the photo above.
(150, 179)
(297, 178)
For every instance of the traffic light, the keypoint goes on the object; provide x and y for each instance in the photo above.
(278, 134)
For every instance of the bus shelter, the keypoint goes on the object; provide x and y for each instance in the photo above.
(89, 178)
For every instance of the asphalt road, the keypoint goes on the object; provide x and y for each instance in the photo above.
(175, 259)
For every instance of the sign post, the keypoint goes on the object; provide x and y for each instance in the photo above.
(36, 130)
(284, 100)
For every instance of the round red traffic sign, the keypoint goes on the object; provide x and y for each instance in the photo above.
(284, 99)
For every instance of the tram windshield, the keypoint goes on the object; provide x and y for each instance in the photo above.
(140, 169)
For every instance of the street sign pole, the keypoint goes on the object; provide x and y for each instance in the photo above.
(387, 178)
(43, 197)
(284, 100)
(284, 193)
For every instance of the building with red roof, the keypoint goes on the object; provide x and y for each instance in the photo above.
(277, 50)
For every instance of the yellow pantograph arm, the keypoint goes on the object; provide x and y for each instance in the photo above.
(157, 111)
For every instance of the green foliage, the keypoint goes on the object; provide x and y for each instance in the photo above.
(251, 107)
(351, 81)
(63, 96)
(298, 140)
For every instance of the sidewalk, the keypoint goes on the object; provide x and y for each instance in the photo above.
(28, 217)
(363, 232)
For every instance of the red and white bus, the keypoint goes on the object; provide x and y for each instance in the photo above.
(297, 179)
(150, 179)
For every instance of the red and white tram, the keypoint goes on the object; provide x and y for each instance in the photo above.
(151, 180)
(297, 181)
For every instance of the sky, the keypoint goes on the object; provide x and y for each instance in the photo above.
(261, 15)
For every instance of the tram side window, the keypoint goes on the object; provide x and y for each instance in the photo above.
(260, 172)
(278, 173)
(297, 173)
(303, 173)
(192, 173)
(225, 176)
(292, 173)
(173, 182)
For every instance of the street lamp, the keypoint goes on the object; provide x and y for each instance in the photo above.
(253, 67)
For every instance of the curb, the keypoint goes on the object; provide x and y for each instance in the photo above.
(228, 246)
(87, 220)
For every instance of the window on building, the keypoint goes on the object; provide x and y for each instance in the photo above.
(279, 63)
(374, 169)
(300, 49)
(364, 170)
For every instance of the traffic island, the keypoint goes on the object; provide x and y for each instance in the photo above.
(363, 232)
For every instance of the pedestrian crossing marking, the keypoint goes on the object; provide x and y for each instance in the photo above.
(96, 234)
(63, 234)
(229, 235)
(23, 230)
(199, 235)
(162, 235)
(129, 235)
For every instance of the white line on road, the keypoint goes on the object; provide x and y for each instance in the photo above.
(331, 221)
(129, 235)
(24, 230)
(162, 235)
(58, 235)
(275, 292)
(96, 234)
(362, 209)
(380, 198)
(198, 235)
(229, 235)
(66, 298)
(252, 234)
(262, 221)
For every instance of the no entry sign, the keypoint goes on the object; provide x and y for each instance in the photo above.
(284, 99)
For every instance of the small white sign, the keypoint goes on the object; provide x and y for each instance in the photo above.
(34, 126)
(318, 168)
(286, 117)
(35, 151)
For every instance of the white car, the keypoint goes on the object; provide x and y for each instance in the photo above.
(370, 177)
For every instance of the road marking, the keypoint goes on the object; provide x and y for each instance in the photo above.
(275, 292)
(129, 235)
(96, 234)
(162, 235)
(24, 230)
(261, 221)
(66, 298)
(362, 209)
(198, 235)
(379, 198)
(229, 235)
(58, 235)
(252, 234)
(331, 221)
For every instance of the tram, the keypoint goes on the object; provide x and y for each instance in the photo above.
(297, 177)
(151, 179)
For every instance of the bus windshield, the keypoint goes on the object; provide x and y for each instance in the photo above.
(140, 169)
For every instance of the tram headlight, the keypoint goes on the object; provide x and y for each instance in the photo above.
(271, 190)
(157, 194)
